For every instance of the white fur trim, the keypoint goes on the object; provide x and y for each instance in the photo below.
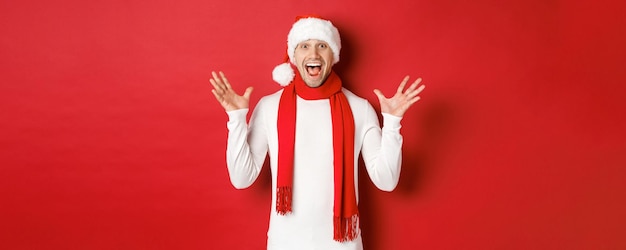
(283, 74)
(313, 28)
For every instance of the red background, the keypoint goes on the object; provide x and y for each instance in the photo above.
(111, 138)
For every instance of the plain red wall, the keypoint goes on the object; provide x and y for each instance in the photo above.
(111, 138)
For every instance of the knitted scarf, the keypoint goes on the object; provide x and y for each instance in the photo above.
(345, 211)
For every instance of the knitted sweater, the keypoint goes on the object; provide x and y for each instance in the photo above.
(310, 225)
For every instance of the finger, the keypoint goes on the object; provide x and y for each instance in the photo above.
(414, 85)
(221, 81)
(414, 100)
(416, 92)
(217, 79)
(226, 83)
(215, 76)
(418, 80)
(217, 87)
(213, 83)
(218, 97)
(248, 92)
(402, 84)
(420, 88)
(379, 94)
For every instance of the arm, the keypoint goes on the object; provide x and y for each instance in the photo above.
(246, 146)
(382, 149)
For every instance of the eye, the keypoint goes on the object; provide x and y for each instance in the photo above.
(304, 46)
(323, 45)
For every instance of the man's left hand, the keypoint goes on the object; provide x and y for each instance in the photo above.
(402, 100)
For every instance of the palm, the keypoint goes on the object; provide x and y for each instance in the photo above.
(231, 100)
(402, 100)
(225, 94)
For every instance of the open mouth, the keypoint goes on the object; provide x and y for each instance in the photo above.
(314, 69)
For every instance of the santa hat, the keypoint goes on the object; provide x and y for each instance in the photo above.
(305, 28)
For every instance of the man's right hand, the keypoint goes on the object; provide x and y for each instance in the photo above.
(225, 94)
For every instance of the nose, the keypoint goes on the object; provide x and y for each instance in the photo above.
(314, 52)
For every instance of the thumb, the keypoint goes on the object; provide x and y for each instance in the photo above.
(248, 92)
(379, 94)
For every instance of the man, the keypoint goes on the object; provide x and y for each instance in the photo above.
(314, 130)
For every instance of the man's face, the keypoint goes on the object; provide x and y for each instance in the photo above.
(314, 60)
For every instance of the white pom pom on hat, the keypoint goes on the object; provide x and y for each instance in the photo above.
(283, 74)
(305, 28)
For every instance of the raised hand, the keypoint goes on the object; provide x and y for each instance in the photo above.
(225, 94)
(402, 100)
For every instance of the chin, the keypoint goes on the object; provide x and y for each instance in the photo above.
(313, 84)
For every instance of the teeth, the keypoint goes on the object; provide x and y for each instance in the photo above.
(313, 64)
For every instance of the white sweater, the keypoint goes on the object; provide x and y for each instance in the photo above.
(310, 225)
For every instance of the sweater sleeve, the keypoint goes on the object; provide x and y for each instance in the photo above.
(382, 150)
(246, 147)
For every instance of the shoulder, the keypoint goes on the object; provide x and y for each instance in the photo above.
(266, 109)
(270, 100)
(355, 100)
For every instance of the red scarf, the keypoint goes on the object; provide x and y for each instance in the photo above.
(345, 211)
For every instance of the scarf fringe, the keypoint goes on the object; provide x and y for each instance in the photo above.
(346, 229)
(283, 200)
